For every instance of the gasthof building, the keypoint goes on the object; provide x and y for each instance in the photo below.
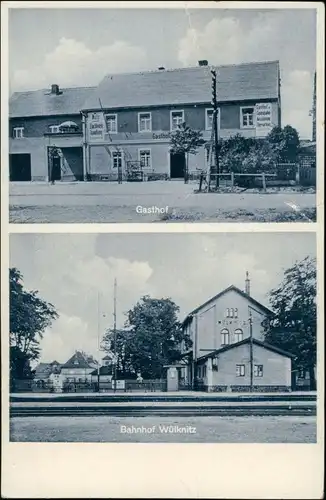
(127, 120)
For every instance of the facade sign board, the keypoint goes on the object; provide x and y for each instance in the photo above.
(263, 119)
(95, 127)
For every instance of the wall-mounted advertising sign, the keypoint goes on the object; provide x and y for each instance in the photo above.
(96, 127)
(263, 119)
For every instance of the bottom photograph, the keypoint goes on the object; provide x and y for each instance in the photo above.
(163, 337)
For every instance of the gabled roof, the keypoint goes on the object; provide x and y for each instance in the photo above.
(265, 345)
(77, 361)
(108, 358)
(251, 81)
(104, 370)
(45, 369)
(43, 103)
(228, 289)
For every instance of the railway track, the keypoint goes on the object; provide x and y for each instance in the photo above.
(160, 410)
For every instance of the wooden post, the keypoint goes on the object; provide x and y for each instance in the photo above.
(297, 176)
(232, 179)
(264, 181)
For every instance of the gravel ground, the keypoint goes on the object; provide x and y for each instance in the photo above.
(122, 214)
(195, 429)
(108, 202)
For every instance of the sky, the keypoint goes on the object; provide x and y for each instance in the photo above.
(76, 272)
(77, 47)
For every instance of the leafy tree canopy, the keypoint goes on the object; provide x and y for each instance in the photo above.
(29, 317)
(294, 326)
(152, 338)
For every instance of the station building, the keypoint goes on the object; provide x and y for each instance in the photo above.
(228, 350)
(129, 117)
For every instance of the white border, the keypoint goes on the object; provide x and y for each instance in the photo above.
(176, 470)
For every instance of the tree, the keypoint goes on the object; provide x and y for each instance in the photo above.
(151, 339)
(121, 349)
(293, 328)
(286, 143)
(29, 317)
(188, 141)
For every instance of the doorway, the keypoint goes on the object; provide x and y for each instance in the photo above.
(54, 167)
(177, 165)
(20, 167)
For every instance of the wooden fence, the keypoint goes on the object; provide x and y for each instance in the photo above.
(284, 174)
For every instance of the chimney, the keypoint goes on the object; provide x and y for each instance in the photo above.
(203, 62)
(247, 284)
(55, 89)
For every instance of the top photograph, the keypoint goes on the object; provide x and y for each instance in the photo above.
(149, 115)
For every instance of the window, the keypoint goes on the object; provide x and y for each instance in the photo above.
(227, 313)
(18, 132)
(247, 117)
(76, 362)
(238, 335)
(111, 123)
(224, 336)
(117, 159)
(235, 313)
(54, 129)
(204, 371)
(145, 158)
(302, 374)
(209, 118)
(240, 370)
(258, 370)
(177, 118)
(144, 122)
(95, 117)
(199, 371)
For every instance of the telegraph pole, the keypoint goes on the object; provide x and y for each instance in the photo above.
(115, 333)
(251, 351)
(215, 126)
(98, 341)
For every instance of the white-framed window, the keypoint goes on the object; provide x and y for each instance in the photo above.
(302, 374)
(76, 362)
(258, 370)
(225, 336)
(145, 122)
(95, 117)
(54, 129)
(145, 158)
(18, 132)
(111, 123)
(240, 370)
(247, 117)
(117, 159)
(209, 118)
(238, 335)
(177, 118)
